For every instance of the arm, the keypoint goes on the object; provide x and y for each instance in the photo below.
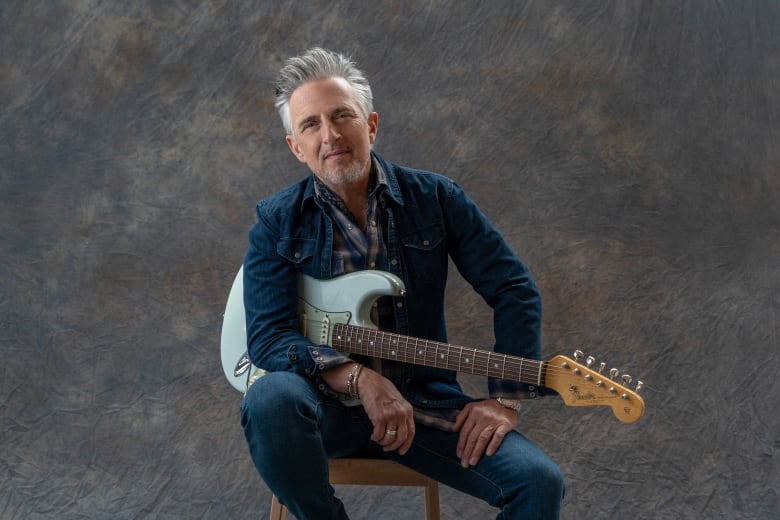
(488, 263)
(271, 266)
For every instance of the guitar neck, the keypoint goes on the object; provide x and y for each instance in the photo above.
(397, 347)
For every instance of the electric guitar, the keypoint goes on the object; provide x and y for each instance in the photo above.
(336, 312)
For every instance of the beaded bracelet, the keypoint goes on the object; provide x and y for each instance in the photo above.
(352, 380)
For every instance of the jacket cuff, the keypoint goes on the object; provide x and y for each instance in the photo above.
(324, 358)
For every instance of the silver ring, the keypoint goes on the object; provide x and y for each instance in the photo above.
(391, 432)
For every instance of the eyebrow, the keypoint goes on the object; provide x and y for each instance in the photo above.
(310, 119)
(336, 111)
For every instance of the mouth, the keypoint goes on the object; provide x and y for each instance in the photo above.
(335, 154)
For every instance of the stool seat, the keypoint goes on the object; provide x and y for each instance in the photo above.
(375, 472)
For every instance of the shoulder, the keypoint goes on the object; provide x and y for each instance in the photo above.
(407, 181)
(285, 211)
(287, 200)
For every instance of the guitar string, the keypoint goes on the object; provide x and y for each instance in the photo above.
(480, 361)
(475, 358)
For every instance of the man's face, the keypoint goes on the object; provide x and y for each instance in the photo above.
(330, 133)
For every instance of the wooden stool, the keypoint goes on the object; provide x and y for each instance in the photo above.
(375, 472)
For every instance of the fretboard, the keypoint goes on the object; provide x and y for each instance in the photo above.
(397, 347)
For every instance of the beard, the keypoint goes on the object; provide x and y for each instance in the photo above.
(347, 175)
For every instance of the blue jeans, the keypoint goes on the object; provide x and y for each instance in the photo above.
(292, 430)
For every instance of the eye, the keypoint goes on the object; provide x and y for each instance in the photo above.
(343, 114)
(308, 125)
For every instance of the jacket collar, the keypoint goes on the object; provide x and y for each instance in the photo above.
(393, 189)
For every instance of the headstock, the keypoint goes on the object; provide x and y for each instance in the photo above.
(580, 385)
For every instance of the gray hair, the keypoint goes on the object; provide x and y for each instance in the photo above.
(314, 64)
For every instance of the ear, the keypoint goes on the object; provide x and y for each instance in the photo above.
(373, 126)
(294, 148)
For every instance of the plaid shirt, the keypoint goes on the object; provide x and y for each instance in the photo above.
(353, 248)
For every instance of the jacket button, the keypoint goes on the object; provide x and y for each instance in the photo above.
(426, 242)
(297, 254)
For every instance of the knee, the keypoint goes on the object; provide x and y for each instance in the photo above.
(540, 487)
(542, 494)
(551, 479)
(272, 399)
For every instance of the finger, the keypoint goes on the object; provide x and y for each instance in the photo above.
(383, 432)
(496, 441)
(466, 443)
(460, 419)
(394, 442)
(481, 442)
(392, 434)
(410, 431)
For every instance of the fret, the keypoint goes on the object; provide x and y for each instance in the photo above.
(444, 358)
(475, 361)
(479, 362)
(494, 365)
(502, 367)
(409, 342)
(539, 378)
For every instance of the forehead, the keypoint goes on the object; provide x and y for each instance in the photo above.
(322, 95)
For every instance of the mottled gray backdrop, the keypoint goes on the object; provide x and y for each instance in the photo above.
(628, 150)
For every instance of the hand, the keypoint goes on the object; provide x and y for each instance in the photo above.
(482, 426)
(388, 411)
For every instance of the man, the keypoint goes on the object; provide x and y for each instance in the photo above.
(358, 211)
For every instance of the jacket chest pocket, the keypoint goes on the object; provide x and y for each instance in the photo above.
(425, 253)
(296, 250)
(425, 239)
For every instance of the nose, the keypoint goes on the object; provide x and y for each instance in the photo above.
(330, 132)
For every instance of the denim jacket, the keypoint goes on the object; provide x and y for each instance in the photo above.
(429, 221)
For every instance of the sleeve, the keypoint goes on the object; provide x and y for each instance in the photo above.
(274, 341)
(488, 263)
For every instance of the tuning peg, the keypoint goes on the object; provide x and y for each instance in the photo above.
(590, 360)
(602, 366)
(626, 379)
(578, 354)
(613, 373)
(639, 385)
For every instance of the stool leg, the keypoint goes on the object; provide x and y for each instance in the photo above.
(278, 511)
(432, 500)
